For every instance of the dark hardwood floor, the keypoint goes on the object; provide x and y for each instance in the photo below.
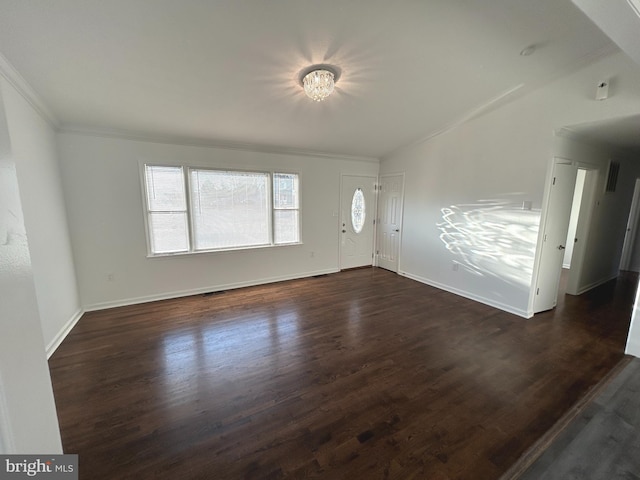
(362, 375)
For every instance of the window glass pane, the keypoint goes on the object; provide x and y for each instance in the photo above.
(286, 226)
(168, 232)
(229, 209)
(285, 190)
(358, 211)
(165, 188)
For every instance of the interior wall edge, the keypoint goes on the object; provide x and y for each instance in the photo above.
(9, 72)
(201, 290)
(64, 331)
(491, 303)
(209, 143)
(595, 284)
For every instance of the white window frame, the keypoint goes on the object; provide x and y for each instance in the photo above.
(274, 208)
(186, 173)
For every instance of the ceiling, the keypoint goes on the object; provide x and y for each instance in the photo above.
(227, 72)
(621, 133)
(619, 21)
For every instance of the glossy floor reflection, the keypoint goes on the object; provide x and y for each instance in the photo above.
(360, 374)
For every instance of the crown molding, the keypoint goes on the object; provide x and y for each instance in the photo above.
(509, 96)
(570, 133)
(491, 104)
(208, 143)
(18, 82)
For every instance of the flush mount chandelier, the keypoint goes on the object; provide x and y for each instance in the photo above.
(318, 82)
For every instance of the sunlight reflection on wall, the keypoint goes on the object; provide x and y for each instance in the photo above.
(493, 238)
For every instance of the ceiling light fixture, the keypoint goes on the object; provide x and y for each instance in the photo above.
(319, 83)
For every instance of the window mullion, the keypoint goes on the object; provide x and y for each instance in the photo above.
(187, 191)
(271, 207)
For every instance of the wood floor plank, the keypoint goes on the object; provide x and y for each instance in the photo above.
(360, 374)
(602, 441)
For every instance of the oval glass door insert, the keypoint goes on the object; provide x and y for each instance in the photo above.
(358, 210)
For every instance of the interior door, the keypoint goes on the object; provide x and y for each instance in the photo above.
(632, 227)
(555, 235)
(390, 203)
(357, 214)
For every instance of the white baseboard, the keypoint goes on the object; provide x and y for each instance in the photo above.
(199, 291)
(62, 334)
(593, 285)
(477, 298)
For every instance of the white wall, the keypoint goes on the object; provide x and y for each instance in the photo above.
(502, 156)
(28, 421)
(103, 192)
(34, 148)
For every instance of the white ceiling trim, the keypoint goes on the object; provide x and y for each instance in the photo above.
(571, 133)
(470, 115)
(506, 97)
(193, 142)
(12, 75)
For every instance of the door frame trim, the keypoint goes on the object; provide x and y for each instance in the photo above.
(590, 196)
(375, 246)
(544, 211)
(375, 179)
(631, 234)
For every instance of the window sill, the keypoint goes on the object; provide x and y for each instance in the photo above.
(220, 250)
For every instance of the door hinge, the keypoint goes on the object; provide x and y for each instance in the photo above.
(554, 181)
(374, 221)
(538, 292)
(377, 252)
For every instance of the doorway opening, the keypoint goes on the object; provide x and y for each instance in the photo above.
(584, 199)
(573, 219)
(570, 208)
(630, 260)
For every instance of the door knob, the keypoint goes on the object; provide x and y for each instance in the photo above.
(344, 231)
(561, 247)
(397, 230)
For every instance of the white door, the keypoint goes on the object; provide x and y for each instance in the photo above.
(357, 214)
(390, 201)
(632, 227)
(555, 235)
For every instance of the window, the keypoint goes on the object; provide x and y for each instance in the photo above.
(285, 208)
(166, 209)
(196, 209)
(229, 209)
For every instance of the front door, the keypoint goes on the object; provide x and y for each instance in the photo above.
(390, 196)
(555, 235)
(357, 214)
